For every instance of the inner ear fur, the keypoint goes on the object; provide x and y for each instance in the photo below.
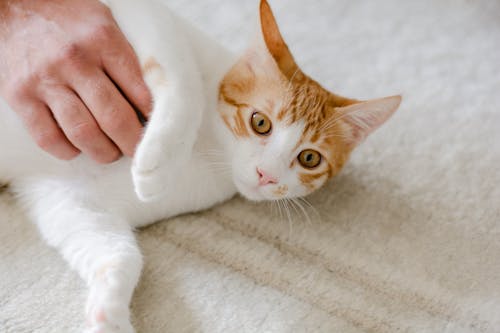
(364, 117)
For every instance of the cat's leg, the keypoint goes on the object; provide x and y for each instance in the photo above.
(171, 133)
(170, 69)
(173, 128)
(102, 249)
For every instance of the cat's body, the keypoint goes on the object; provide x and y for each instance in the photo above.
(25, 167)
(220, 125)
(88, 211)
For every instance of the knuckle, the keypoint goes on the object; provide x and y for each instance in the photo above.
(99, 92)
(109, 157)
(115, 122)
(102, 31)
(82, 132)
(103, 94)
(144, 97)
(106, 10)
(94, 143)
(68, 156)
(71, 53)
(49, 140)
(19, 89)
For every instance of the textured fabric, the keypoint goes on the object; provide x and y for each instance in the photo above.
(405, 239)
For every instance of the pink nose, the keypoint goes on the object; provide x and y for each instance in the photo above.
(265, 178)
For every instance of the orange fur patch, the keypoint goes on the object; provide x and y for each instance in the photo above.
(235, 120)
(240, 126)
(308, 179)
(281, 191)
(152, 68)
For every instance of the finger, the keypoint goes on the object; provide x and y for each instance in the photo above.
(121, 64)
(46, 132)
(110, 109)
(80, 127)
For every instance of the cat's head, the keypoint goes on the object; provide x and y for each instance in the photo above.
(291, 135)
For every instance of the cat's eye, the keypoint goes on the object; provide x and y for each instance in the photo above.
(309, 158)
(261, 123)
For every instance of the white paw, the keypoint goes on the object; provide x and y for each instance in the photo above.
(108, 319)
(155, 166)
(150, 186)
(107, 308)
(110, 328)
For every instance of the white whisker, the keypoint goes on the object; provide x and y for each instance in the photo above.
(297, 203)
(311, 207)
(289, 217)
(292, 204)
(280, 210)
(333, 121)
(346, 137)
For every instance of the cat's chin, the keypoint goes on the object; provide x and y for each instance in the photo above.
(251, 193)
(254, 198)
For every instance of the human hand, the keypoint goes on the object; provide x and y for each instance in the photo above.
(69, 73)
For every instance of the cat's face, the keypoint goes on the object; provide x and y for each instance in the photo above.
(291, 135)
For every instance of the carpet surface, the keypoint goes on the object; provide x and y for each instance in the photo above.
(406, 239)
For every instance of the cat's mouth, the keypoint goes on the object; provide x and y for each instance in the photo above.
(255, 192)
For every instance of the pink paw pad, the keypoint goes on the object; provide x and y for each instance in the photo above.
(100, 316)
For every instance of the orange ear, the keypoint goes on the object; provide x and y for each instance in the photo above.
(363, 118)
(274, 41)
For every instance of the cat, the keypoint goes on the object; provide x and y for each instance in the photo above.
(222, 124)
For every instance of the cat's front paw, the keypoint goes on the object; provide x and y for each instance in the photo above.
(149, 185)
(155, 166)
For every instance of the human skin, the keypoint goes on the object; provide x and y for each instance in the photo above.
(69, 73)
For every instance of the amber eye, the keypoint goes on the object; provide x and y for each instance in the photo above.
(261, 124)
(309, 158)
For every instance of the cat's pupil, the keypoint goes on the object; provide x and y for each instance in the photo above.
(309, 157)
(261, 123)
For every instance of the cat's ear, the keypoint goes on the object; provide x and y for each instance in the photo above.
(362, 118)
(274, 41)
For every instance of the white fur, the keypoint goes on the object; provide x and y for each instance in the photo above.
(88, 211)
(187, 161)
